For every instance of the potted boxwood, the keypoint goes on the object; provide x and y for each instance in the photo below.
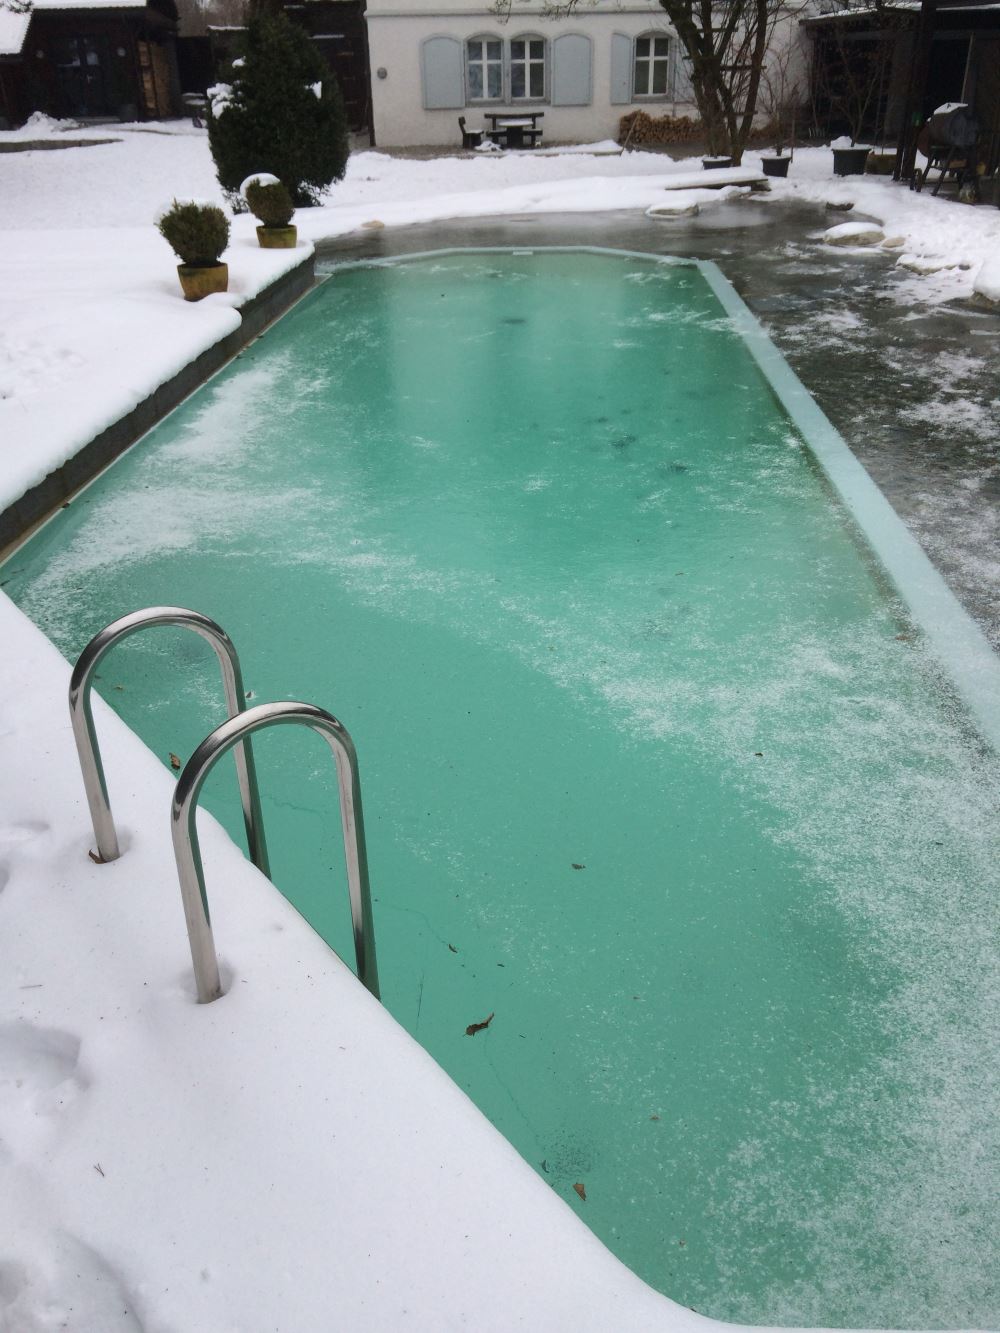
(271, 204)
(197, 234)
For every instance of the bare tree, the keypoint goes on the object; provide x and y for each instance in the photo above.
(725, 43)
(784, 81)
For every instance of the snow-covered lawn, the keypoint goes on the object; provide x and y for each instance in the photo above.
(185, 1169)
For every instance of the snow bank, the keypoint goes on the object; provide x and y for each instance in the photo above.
(987, 282)
(92, 327)
(854, 233)
(933, 234)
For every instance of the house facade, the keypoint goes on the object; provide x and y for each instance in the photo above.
(435, 60)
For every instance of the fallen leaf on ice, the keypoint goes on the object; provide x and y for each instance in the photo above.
(473, 1028)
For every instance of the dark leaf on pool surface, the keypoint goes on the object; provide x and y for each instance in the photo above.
(175, 763)
(577, 865)
(473, 1028)
(452, 948)
(581, 1190)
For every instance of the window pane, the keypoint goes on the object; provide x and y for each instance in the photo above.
(495, 80)
(537, 50)
(661, 46)
(475, 82)
(659, 77)
(642, 48)
(517, 80)
(494, 50)
(537, 80)
(475, 50)
(641, 78)
(517, 50)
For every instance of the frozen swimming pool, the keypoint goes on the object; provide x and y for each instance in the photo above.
(657, 769)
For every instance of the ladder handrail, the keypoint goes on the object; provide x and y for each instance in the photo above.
(187, 850)
(81, 715)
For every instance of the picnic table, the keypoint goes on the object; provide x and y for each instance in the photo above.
(515, 130)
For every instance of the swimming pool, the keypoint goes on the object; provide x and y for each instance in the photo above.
(658, 767)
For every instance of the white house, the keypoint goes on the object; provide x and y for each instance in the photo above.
(435, 60)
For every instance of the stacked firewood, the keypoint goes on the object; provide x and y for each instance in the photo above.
(641, 128)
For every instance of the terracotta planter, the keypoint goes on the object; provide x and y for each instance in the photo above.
(850, 161)
(775, 166)
(277, 238)
(200, 280)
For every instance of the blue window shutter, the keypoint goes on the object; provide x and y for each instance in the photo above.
(571, 70)
(442, 73)
(621, 69)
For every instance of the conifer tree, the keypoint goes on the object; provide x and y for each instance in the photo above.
(282, 113)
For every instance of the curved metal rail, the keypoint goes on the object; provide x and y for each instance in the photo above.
(188, 852)
(86, 736)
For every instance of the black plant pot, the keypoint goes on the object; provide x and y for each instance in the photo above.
(714, 163)
(775, 166)
(850, 161)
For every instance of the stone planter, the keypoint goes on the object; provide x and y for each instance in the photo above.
(201, 280)
(775, 166)
(277, 238)
(850, 161)
(881, 164)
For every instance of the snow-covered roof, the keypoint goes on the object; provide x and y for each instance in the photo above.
(14, 25)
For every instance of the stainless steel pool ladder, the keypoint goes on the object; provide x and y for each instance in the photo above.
(85, 734)
(233, 734)
(188, 854)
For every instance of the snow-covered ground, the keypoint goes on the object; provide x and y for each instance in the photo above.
(170, 1167)
(89, 315)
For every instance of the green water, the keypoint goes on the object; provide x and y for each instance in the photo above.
(655, 770)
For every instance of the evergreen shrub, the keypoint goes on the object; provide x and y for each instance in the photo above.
(197, 233)
(270, 204)
(271, 116)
